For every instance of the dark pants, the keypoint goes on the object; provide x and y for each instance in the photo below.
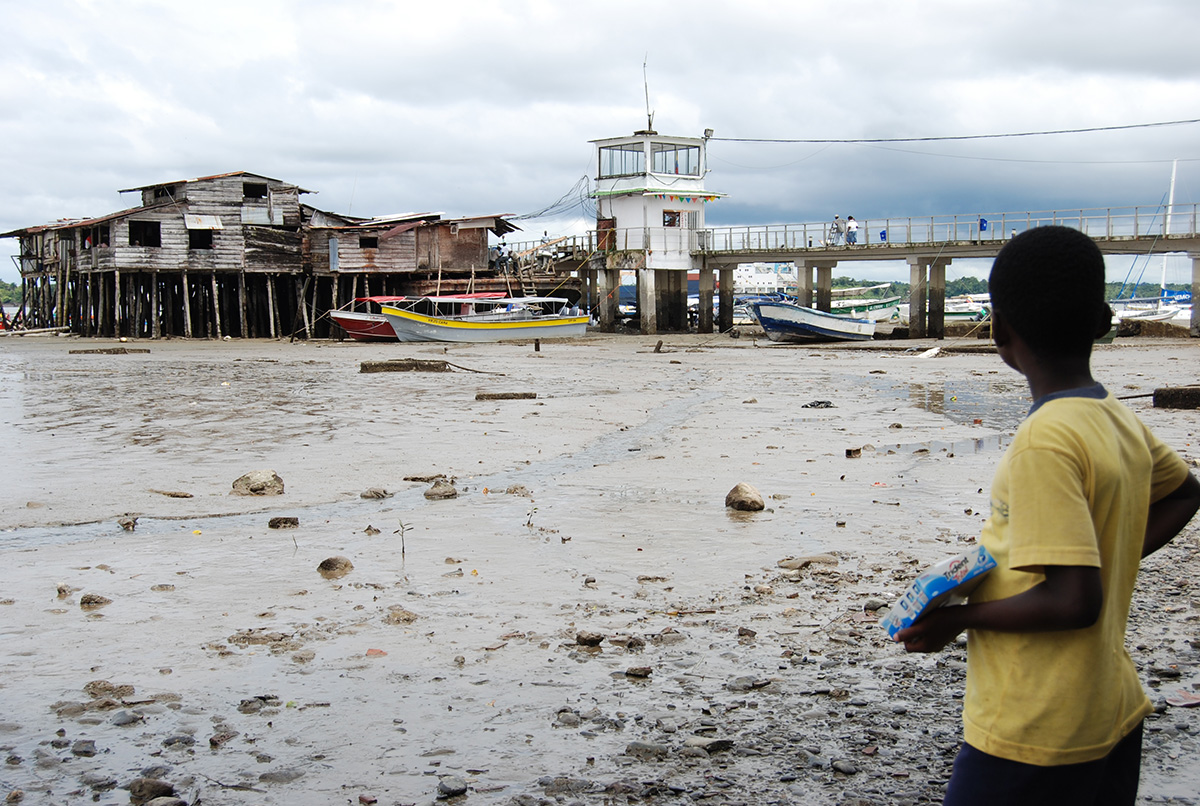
(980, 779)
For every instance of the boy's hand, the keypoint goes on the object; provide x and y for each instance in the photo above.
(932, 633)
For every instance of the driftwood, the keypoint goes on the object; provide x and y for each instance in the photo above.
(416, 365)
(506, 396)
(109, 351)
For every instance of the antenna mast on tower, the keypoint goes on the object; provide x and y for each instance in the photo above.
(646, 84)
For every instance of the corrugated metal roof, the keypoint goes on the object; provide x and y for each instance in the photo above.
(72, 223)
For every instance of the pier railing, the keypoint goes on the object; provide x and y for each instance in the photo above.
(1102, 223)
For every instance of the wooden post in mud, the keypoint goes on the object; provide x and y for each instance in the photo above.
(242, 303)
(187, 305)
(216, 307)
(271, 303)
(155, 325)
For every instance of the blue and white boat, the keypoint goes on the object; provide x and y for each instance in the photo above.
(783, 321)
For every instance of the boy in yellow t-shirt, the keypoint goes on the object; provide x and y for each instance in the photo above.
(1053, 707)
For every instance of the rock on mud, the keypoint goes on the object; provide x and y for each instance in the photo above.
(283, 522)
(144, 790)
(90, 601)
(335, 567)
(440, 490)
(451, 786)
(745, 498)
(259, 482)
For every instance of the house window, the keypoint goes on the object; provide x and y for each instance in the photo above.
(166, 192)
(672, 218)
(368, 242)
(145, 233)
(254, 190)
(623, 160)
(666, 158)
(200, 239)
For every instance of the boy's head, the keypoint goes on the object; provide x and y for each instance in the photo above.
(1047, 284)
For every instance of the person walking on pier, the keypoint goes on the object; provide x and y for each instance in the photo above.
(836, 230)
(851, 230)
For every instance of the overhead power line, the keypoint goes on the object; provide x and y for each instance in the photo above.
(957, 137)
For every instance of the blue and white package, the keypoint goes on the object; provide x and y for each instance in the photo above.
(950, 580)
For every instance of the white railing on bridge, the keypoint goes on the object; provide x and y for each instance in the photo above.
(1111, 223)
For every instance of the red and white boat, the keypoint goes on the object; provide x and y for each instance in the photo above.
(372, 325)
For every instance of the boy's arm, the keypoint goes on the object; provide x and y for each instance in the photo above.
(1168, 515)
(1069, 598)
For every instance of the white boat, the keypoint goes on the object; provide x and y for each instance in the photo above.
(488, 320)
(783, 321)
(877, 310)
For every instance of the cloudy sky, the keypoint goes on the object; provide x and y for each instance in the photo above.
(469, 107)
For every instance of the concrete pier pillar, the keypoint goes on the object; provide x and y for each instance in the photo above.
(704, 321)
(804, 283)
(647, 302)
(916, 297)
(825, 287)
(725, 292)
(607, 292)
(927, 277)
(824, 284)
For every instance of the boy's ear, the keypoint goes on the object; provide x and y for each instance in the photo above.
(1001, 334)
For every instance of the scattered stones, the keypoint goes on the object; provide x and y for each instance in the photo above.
(375, 493)
(283, 522)
(451, 786)
(506, 396)
(517, 489)
(335, 567)
(179, 741)
(92, 601)
(441, 490)
(639, 671)
(259, 482)
(127, 522)
(163, 588)
(217, 739)
(819, 404)
(370, 530)
(745, 498)
(98, 689)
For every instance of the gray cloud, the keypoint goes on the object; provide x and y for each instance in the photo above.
(478, 107)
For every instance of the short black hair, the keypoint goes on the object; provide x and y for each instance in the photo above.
(1048, 284)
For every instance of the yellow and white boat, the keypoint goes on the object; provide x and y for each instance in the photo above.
(488, 320)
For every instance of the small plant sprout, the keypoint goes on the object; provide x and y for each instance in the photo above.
(404, 527)
(529, 519)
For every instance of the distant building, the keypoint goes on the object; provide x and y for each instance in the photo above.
(238, 254)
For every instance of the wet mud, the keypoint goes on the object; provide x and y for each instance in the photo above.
(585, 622)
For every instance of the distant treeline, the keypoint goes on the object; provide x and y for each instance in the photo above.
(973, 285)
(10, 293)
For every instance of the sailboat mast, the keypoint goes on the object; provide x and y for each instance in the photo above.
(1162, 284)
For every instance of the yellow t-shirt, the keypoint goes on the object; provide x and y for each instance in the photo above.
(1072, 489)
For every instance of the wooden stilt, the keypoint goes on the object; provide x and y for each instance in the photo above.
(271, 304)
(242, 303)
(155, 325)
(216, 307)
(187, 305)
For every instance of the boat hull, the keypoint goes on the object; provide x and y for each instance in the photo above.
(409, 326)
(785, 322)
(364, 326)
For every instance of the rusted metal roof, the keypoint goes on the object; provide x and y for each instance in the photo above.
(214, 176)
